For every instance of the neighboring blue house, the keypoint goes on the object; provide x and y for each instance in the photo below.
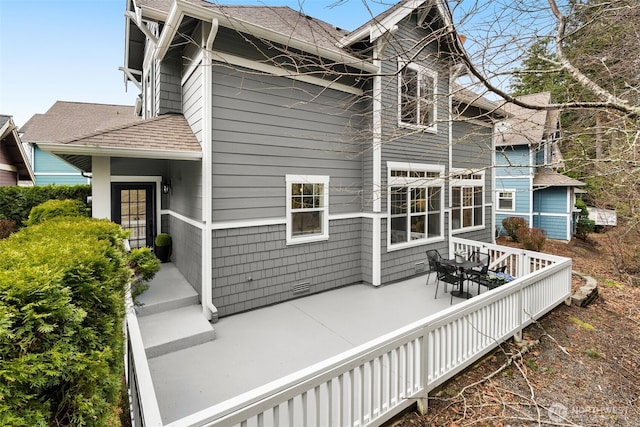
(528, 183)
(63, 121)
(286, 156)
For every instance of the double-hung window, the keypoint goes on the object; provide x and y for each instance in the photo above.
(467, 199)
(417, 96)
(307, 208)
(506, 200)
(415, 204)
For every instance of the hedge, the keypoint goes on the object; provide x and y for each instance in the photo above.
(17, 202)
(62, 286)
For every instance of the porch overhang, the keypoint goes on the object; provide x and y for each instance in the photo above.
(80, 155)
(166, 137)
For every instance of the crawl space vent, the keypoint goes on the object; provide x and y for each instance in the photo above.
(301, 288)
(420, 267)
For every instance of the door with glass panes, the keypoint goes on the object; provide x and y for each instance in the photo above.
(132, 208)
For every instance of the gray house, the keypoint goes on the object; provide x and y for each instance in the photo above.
(288, 157)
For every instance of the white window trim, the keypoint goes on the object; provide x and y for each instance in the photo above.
(397, 181)
(466, 183)
(421, 71)
(308, 179)
(513, 199)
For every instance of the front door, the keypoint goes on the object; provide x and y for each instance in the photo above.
(132, 206)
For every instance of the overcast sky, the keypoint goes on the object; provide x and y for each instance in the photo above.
(70, 50)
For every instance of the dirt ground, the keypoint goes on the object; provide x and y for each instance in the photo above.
(578, 366)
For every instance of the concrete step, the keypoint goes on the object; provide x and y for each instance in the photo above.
(174, 330)
(167, 291)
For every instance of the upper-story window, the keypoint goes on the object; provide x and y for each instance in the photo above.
(415, 204)
(307, 208)
(417, 96)
(467, 199)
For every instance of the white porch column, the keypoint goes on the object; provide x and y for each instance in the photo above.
(101, 187)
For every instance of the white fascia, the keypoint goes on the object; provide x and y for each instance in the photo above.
(84, 150)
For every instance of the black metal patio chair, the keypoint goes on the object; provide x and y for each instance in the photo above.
(450, 275)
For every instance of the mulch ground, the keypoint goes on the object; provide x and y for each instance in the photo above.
(577, 366)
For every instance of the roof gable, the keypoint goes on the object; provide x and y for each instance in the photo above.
(12, 144)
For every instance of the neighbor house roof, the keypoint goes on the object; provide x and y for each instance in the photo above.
(545, 177)
(12, 144)
(168, 136)
(527, 126)
(69, 119)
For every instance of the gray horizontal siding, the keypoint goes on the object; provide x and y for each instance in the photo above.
(253, 267)
(192, 102)
(266, 127)
(186, 188)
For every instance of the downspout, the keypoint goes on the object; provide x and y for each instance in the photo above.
(208, 309)
(450, 155)
(380, 44)
(493, 184)
(376, 250)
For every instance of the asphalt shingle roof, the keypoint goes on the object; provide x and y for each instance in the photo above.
(69, 119)
(547, 178)
(526, 126)
(168, 132)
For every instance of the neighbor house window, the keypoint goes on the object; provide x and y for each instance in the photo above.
(467, 199)
(417, 94)
(307, 208)
(415, 203)
(506, 200)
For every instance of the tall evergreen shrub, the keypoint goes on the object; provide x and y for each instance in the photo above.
(62, 286)
(16, 202)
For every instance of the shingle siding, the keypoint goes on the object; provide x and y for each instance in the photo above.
(253, 267)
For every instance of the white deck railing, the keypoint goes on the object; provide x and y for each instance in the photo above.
(142, 397)
(375, 381)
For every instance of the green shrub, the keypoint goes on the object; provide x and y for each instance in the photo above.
(55, 208)
(532, 239)
(145, 265)
(7, 227)
(512, 224)
(62, 287)
(163, 239)
(16, 202)
(584, 225)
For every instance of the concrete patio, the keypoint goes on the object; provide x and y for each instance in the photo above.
(254, 348)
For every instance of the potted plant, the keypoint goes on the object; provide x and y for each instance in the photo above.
(163, 247)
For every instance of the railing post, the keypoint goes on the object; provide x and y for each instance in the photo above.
(518, 335)
(423, 402)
